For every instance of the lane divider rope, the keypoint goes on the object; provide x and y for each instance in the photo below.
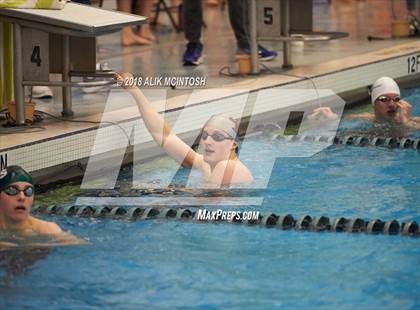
(402, 143)
(284, 222)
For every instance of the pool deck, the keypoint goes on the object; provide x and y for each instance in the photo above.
(346, 66)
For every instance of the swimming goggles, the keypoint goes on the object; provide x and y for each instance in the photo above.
(387, 100)
(218, 137)
(28, 191)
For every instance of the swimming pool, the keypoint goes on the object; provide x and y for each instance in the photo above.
(174, 264)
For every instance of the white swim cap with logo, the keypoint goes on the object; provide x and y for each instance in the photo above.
(223, 122)
(383, 85)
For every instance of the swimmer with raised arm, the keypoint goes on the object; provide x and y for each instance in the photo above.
(388, 107)
(16, 198)
(218, 164)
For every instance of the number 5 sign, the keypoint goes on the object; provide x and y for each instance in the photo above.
(268, 18)
(35, 52)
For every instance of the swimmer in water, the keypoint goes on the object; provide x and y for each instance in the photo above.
(218, 164)
(16, 198)
(388, 108)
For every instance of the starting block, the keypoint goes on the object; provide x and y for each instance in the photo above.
(285, 21)
(59, 41)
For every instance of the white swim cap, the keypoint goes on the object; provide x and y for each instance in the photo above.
(383, 85)
(223, 122)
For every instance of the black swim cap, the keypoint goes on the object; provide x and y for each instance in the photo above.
(12, 175)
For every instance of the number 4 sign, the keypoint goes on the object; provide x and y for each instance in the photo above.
(36, 55)
(35, 52)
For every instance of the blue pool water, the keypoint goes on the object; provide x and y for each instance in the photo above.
(173, 264)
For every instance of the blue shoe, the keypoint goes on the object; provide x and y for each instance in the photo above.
(192, 56)
(265, 54)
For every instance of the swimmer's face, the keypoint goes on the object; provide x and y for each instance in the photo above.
(16, 208)
(386, 107)
(215, 151)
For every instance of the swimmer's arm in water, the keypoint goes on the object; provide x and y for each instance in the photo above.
(66, 239)
(327, 113)
(7, 245)
(160, 131)
(366, 116)
(54, 231)
(322, 112)
(62, 239)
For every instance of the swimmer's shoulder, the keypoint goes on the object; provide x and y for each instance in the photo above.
(243, 172)
(233, 172)
(44, 227)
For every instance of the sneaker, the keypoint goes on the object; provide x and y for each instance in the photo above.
(192, 56)
(100, 67)
(263, 53)
(41, 92)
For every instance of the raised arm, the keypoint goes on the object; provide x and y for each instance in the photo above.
(159, 129)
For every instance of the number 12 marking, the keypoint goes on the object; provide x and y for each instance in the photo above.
(413, 64)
